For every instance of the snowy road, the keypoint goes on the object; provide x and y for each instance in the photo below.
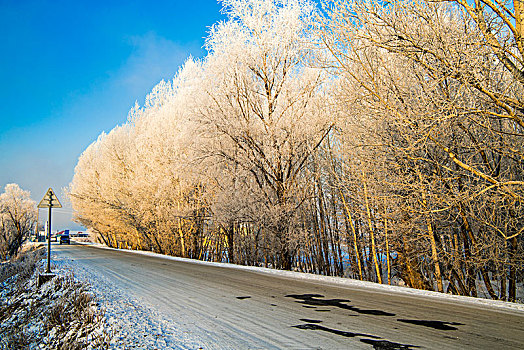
(222, 308)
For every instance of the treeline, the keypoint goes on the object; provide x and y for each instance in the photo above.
(378, 141)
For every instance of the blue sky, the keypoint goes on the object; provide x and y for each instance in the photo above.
(72, 69)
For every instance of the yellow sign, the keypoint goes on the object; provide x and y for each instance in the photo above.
(50, 200)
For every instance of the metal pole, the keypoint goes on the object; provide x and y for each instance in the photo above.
(49, 241)
(37, 217)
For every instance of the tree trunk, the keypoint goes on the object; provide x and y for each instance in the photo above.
(230, 244)
(387, 248)
(512, 292)
(431, 236)
(349, 220)
(371, 233)
(487, 283)
(408, 273)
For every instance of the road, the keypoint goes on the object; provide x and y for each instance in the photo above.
(241, 309)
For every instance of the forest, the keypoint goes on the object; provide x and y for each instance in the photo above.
(374, 140)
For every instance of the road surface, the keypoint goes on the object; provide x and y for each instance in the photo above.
(240, 309)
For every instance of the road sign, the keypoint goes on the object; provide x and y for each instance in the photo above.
(50, 200)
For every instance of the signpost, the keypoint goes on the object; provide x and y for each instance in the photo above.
(50, 200)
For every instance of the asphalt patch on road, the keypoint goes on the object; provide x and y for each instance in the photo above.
(377, 342)
(310, 321)
(387, 345)
(440, 325)
(313, 300)
(317, 327)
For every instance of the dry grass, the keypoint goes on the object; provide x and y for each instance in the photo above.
(23, 265)
(74, 317)
(65, 312)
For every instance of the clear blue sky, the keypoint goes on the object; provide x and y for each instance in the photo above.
(72, 69)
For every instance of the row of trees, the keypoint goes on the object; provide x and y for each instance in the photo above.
(379, 141)
(17, 219)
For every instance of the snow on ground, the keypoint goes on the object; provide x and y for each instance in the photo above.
(61, 313)
(342, 281)
(135, 325)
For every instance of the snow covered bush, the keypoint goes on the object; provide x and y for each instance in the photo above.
(60, 314)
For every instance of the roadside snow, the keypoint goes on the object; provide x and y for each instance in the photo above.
(134, 324)
(61, 313)
(384, 288)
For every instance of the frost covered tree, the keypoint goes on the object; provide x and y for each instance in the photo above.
(166, 174)
(501, 24)
(99, 191)
(421, 87)
(17, 219)
(369, 140)
(133, 185)
(265, 113)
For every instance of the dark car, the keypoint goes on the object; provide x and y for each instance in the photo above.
(64, 239)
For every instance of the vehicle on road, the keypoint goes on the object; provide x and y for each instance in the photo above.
(64, 239)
